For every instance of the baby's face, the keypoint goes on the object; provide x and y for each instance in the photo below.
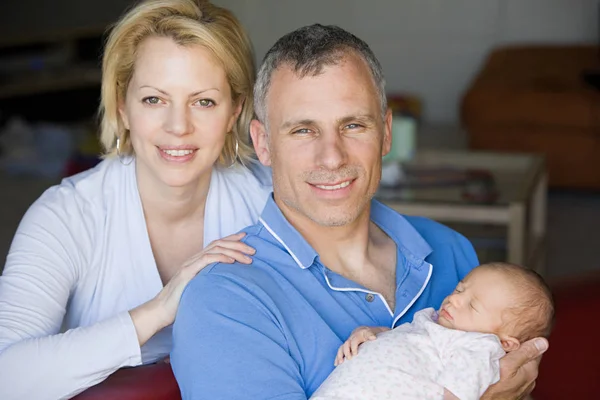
(477, 303)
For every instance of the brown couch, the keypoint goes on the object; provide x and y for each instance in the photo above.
(533, 99)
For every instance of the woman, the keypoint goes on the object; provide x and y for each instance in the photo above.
(104, 252)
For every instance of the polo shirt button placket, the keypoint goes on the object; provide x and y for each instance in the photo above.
(370, 297)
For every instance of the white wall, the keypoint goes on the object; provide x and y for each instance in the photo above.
(432, 48)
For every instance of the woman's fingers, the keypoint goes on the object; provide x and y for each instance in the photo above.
(226, 244)
(193, 268)
(238, 251)
(237, 255)
(231, 241)
(218, 254)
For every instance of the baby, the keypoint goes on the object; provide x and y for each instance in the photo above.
(453, 353)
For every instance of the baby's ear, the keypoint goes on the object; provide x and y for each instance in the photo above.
(509, 343)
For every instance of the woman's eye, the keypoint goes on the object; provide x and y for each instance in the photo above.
(151, 100)
(205, 103)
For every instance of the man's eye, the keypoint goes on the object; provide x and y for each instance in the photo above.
(353, 126)
(303, 131)
(205, 103)
(151, 100)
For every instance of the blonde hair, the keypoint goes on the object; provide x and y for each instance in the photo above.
(533, 312)
(187, 22)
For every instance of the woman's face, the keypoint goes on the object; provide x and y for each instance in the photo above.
(178, 109)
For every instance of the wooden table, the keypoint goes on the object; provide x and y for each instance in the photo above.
(521, 184)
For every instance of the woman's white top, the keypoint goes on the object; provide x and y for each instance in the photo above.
(81, 258)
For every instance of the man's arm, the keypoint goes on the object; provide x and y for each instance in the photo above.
(518, 371)
(229, 342)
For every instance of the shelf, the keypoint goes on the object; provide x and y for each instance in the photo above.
(20, 38)
(49, 81)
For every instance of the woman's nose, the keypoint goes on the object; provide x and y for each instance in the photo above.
(178, 120)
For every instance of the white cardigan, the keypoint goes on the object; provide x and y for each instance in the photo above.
(81, 258)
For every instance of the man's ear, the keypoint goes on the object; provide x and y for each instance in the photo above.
(509, 343)
(387, 133)
(260, 140)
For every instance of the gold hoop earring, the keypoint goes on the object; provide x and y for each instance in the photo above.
(119, 155)
(237, 146)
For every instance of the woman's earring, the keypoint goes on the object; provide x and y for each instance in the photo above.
(119, 155)
(237, 147)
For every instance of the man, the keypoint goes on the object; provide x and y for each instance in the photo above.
(328, 258)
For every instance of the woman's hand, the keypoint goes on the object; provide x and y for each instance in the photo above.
(159, 312)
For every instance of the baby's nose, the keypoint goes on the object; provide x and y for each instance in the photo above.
(454, 299)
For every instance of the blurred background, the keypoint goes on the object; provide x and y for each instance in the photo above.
(493, 75)
(496, 110)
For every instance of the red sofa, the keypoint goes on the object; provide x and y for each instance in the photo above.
(569, 369)
(148, 382)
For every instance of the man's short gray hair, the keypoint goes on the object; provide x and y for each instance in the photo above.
(307, 50)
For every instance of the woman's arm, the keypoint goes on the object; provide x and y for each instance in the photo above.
(50, 251)
(43, 267)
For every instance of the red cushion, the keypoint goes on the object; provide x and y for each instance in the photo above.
(569, 370)
(148, 382)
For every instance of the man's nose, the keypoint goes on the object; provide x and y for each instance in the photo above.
(331, 151)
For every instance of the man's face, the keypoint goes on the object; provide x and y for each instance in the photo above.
(325, 141)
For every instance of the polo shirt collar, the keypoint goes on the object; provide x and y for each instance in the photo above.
(279, 227)
(408, 240)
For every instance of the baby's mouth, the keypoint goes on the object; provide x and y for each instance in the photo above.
(445, 314)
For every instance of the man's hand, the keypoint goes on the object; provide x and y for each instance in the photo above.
(360, 335)
(518, 372)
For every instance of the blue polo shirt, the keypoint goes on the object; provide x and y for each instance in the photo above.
(271, 330)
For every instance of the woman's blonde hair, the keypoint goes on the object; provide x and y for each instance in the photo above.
(187, 22)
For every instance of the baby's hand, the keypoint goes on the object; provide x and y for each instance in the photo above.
(360, 335)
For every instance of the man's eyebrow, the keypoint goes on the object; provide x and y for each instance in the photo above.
(344, 120)
(295, 122)
(361, 117)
